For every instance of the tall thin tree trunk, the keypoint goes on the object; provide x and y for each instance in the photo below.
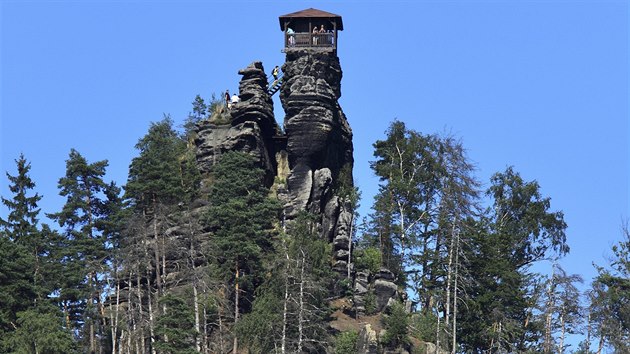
(455, 292)
(588, 329)
(140, 305)
(301, 306)
(285, 303)
(562, 333)
(151, 314)
(602, 340)
(236, 296)
(113, 315)
(437, 329)
(156, 249)
(349, 267)
(449, 273)
(549, 311)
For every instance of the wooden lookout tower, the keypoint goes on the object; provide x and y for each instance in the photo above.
(311, 28)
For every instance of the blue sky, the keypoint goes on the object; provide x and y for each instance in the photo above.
(539, 85)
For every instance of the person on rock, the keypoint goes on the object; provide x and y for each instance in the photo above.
(235, 100)
(227, 99)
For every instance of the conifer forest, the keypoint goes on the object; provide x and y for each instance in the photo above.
(138, 268)
(240, 231)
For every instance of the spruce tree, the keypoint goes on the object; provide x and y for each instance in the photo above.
(84, 255)
(241, 217)
(157, 186)
(30, 272)
(610, 299)
(516, 232)
(21, 223)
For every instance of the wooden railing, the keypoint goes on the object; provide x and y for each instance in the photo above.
(318, 40)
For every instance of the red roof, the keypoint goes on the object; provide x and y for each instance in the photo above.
(312, 13)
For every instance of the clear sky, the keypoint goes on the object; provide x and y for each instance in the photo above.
(540, 85)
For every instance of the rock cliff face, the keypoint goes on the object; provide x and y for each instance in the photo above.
(248, 127)
(319, 146)
(314, 155)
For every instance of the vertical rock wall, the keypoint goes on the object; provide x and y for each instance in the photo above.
(319, 145)
(248, 127)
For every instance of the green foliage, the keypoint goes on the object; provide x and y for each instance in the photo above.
(199, 112)
(423, 326)
(610, 297)
(21, 221)
(522, 217)
(17, 291)
(396, 327)
(370, 303)
(39, 330)
(260, 330)
(155, 176)
(83, 251)
(293, 295)
(175, 328)
(369, 259)
(346, 342)
(241, 214)
(517, 231)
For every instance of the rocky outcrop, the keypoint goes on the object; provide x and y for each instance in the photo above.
(367, 342)
(361, 288)
(248, 127)
(385, 289)
(319, 146)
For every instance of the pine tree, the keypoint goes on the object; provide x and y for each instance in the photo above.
(241, 216)
(610, 298)
(518, 231)
(20, 269)
(175, 328)
(84, 255)
(21, 223)
(155, 189)
(290, 308)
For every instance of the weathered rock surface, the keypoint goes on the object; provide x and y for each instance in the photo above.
(255, 105)
(367, 342)
(248, 127)
(385, 289)
(319, 145)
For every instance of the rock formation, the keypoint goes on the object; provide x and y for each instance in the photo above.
(313, 156)
(309, 165)
(248, 127)
(319, 146)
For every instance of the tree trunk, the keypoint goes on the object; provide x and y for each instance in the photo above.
(236, 296)
(285, 303)
(349, 267)
(549, 311)
(151, 315)
(455, 292)
(301, 306)
(601, 344)
(437, 329)
(141, 319)
(562, 333)
(449, 274)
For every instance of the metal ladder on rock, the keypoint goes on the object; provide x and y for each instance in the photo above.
(275, 86)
